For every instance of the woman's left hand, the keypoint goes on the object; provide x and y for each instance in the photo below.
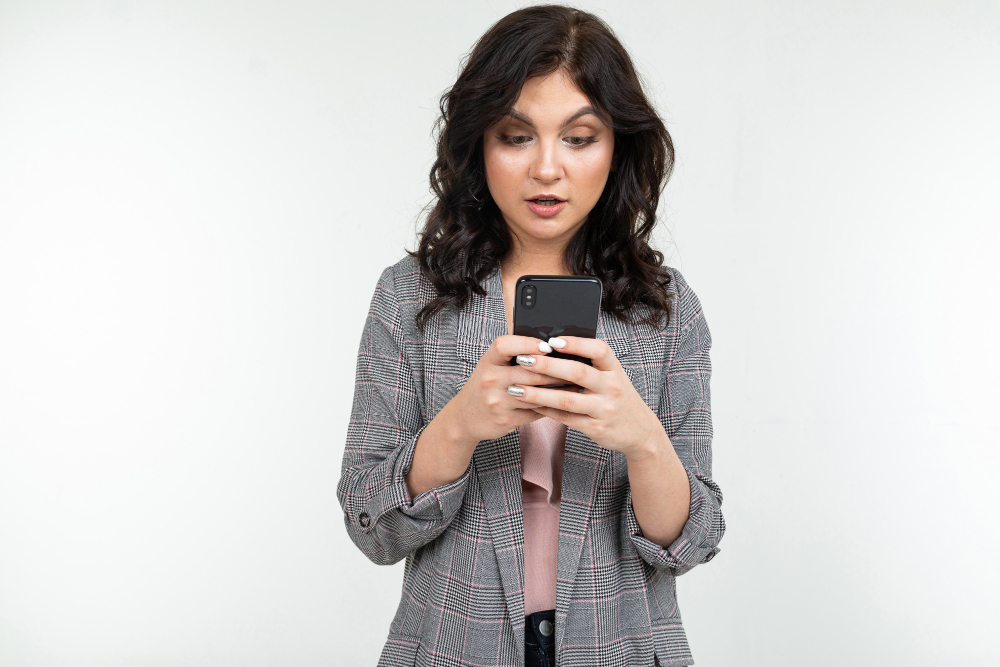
(607, 409)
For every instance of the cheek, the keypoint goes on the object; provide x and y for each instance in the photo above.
(502, 171)
(594, 169)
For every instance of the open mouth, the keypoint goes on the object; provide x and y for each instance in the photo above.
(547, 202)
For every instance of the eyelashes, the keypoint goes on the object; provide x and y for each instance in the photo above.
(512, 140)
(518, 140)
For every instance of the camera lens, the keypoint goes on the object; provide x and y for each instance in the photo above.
(529, 295)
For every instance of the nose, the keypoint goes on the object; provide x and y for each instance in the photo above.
(546, 166)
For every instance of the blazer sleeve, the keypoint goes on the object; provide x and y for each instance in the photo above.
(381, 518)
(685, 411)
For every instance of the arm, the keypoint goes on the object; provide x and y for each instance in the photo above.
(684, 410)
(392, 456)
(482, 410)
(443, 453)
(660, 495)
(382, 518)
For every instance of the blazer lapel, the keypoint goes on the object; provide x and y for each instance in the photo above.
(583, 467)
(497, 463)
(497, 466)
(481, 320)
(618, 336)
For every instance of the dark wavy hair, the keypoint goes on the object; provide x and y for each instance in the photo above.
(465, 237)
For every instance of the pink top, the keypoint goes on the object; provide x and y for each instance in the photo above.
(543, 445)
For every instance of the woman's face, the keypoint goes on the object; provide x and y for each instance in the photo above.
(547, 163)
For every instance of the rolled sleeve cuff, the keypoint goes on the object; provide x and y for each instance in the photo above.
(439, 503)
(697, 542)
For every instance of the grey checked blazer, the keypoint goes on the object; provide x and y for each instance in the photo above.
(463, 582)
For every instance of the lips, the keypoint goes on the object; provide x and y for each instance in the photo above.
(546, 206)
(546, 199)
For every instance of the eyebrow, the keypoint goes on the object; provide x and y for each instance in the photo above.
(517, 115)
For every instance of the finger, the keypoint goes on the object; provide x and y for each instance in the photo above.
(526, 416)
(594, 349)
(506, 347)
(520, 375)
(570, 419)
(571, 370)
(568, 401)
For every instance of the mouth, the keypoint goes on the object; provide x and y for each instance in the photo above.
(547, 200)
(546, 205)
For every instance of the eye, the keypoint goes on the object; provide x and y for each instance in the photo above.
(517, 140)
(577, 142)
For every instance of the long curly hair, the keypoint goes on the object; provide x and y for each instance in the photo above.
(465, 237)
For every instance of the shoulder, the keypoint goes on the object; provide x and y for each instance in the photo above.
(687, 317)
(685, 305)
(404, 282)
(403, 289)
(400, 278)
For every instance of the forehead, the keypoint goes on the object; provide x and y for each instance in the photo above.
(550, 97)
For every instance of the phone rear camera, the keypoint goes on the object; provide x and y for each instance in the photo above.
(529, 295)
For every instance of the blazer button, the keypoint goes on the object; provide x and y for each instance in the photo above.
(364, 519)
(710, 556)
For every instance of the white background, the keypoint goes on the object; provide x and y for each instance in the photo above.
(196, 200)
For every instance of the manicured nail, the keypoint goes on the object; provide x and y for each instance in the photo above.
(544, 347)
(514, 390)
(557, 343)
(525, 360)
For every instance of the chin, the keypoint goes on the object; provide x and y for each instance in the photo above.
(545, 230)
(541, 229)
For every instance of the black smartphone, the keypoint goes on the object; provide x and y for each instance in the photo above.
(548, 306)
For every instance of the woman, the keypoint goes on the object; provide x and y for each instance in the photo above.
(538, 525)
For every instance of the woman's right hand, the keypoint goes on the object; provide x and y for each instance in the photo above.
(481, 410)
(483, 407)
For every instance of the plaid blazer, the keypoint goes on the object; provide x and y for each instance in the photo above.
(463, 583)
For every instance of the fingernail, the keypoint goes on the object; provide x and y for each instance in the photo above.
(514, 390)
(525, 360)
(557, 343)
(544, 347)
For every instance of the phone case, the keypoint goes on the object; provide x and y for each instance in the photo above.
(547, 306)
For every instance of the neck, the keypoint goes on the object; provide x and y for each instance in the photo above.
(536, 259)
